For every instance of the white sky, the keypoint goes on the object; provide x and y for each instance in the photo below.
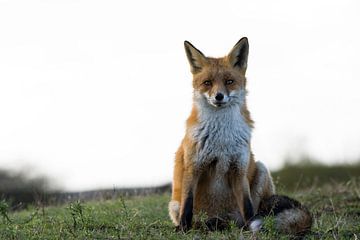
(96, 93)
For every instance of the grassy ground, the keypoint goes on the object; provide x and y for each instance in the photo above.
(336, 210)
(309, 172)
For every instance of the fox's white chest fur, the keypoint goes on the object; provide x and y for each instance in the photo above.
(222, 135)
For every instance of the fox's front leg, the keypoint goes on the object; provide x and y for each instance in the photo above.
(241, 190)
(174, 204)
(190, 181)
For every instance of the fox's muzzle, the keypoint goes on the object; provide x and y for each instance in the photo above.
(219, 99)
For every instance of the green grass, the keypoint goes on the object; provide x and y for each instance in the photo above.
(336, 210)
(309, 172)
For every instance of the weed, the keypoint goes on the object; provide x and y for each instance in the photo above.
(4, 208)
(76, 210)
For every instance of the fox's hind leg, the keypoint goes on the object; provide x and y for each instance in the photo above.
(262, 185)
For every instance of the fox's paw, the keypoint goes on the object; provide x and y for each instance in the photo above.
(174, 212)
(185, 224)
(255, 225)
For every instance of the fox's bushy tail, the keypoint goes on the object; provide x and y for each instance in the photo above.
(290, 216)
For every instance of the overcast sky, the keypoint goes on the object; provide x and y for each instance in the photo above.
(96, 93)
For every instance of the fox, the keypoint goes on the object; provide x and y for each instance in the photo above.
(215, 172)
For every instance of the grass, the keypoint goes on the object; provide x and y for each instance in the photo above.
(336, 210)
(309, 172)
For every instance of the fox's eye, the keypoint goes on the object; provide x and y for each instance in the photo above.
(228, 82)
(207, 83)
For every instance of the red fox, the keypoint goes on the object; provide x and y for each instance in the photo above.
(215, 172)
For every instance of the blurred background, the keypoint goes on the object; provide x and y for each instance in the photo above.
(95, 94)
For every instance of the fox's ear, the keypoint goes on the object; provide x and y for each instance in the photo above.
(196, 58)
(238, 56)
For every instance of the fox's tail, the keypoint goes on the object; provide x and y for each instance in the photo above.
(290, 216)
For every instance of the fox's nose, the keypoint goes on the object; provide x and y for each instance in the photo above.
(219, 97)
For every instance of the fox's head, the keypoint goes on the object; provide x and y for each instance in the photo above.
(219, 81)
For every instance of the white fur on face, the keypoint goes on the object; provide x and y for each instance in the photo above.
(233, 96)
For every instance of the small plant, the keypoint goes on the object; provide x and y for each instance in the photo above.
(200, 221)
(4, 209)
(124, 207)
(77, 213)
(269, 225)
